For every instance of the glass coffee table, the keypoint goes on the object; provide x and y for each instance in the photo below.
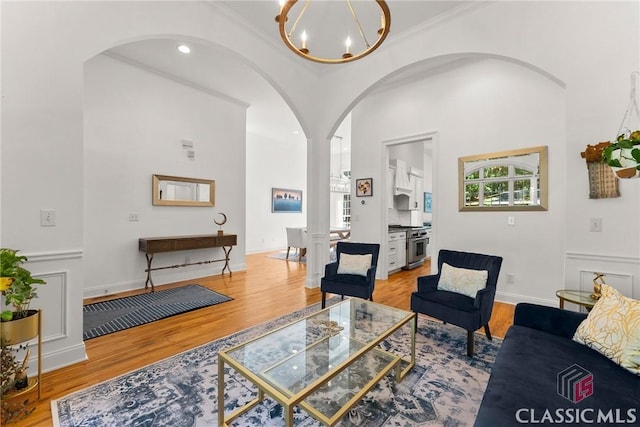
(316, 362)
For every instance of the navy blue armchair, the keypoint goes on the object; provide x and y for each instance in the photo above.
(457, 309)
(354, 285)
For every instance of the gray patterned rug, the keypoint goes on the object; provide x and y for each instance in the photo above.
(443, 389)
(106, 317)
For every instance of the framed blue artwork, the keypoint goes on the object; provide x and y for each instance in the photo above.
(427, 202)
(285, 200)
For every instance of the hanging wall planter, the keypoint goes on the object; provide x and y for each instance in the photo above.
(624, 155)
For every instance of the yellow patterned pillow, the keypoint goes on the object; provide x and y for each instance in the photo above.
(461, 280)
(613, 329)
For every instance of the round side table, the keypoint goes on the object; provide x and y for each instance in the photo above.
(582, 298)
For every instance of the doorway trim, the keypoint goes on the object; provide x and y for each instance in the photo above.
(433, 138)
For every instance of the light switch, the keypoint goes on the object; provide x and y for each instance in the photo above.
(48, 218)
(595, 224)
(511, 220)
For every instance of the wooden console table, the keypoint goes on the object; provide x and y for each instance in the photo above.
(154, 245)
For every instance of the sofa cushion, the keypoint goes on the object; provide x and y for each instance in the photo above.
(613, 329)
(524, 381)
(462, 280)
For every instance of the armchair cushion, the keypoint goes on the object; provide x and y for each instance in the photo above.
(449, 299)
(354, 264)
(462, 280)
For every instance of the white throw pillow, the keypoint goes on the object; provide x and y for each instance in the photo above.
(354, 264)
(461, 280)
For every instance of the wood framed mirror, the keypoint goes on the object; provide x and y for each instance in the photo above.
(180, 191)
(514, 180)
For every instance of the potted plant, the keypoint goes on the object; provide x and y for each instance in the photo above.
(18, 325)
(623, 155)
(10, 373)
(16, 285)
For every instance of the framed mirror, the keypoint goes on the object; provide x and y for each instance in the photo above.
(513, 180)
(180, 191)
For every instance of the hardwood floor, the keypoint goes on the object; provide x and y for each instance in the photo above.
(269, 288)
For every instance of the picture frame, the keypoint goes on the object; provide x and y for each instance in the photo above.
(364, 187)
(427, 202)
(286, 200)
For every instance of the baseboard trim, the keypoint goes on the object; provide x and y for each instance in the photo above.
(514, 299)
(53, 360)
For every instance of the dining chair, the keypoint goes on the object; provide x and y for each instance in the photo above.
(297, 238)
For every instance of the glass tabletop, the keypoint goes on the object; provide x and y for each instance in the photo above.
(297, 355)
(576, 296)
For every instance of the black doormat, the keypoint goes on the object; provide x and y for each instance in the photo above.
(106, 317)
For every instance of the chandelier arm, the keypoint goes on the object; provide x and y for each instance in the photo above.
(295, 24)
(355, 18)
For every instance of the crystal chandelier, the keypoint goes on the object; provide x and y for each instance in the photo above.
(333, 32)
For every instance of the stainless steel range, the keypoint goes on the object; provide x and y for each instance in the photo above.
(417, 241)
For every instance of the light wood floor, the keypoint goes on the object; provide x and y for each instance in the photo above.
(269, 288)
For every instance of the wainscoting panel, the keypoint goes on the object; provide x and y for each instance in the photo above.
(60, 300)
(54, 326)
(621, 272)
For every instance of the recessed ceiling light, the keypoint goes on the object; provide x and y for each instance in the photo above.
(183, 48)
(296, 132)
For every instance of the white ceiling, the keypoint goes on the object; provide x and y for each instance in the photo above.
(217, 71)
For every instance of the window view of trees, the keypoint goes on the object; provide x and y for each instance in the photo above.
(501, 184)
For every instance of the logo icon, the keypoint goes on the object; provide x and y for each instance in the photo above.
(575, 383)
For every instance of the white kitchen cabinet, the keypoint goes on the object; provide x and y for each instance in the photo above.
(397, 251)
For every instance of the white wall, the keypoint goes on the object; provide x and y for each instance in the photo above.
(42, 129)
(526, 109)
(134, 122)
(273, 164)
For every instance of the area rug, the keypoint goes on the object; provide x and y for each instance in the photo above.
(106, 317)
(443, 389)
(293, 256)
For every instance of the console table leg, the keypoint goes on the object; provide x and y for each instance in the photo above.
(149, 280)
(227, 251)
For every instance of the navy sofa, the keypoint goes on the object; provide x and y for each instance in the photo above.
(538, 350)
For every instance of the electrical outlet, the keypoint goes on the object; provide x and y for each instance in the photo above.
(48, 218)
(511, 278)
(187, 260)
(134, 217)
(595, 225)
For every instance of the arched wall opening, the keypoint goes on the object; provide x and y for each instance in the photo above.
(141, 106)
(471, 105)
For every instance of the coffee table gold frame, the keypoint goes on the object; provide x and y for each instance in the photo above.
(369, 348)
